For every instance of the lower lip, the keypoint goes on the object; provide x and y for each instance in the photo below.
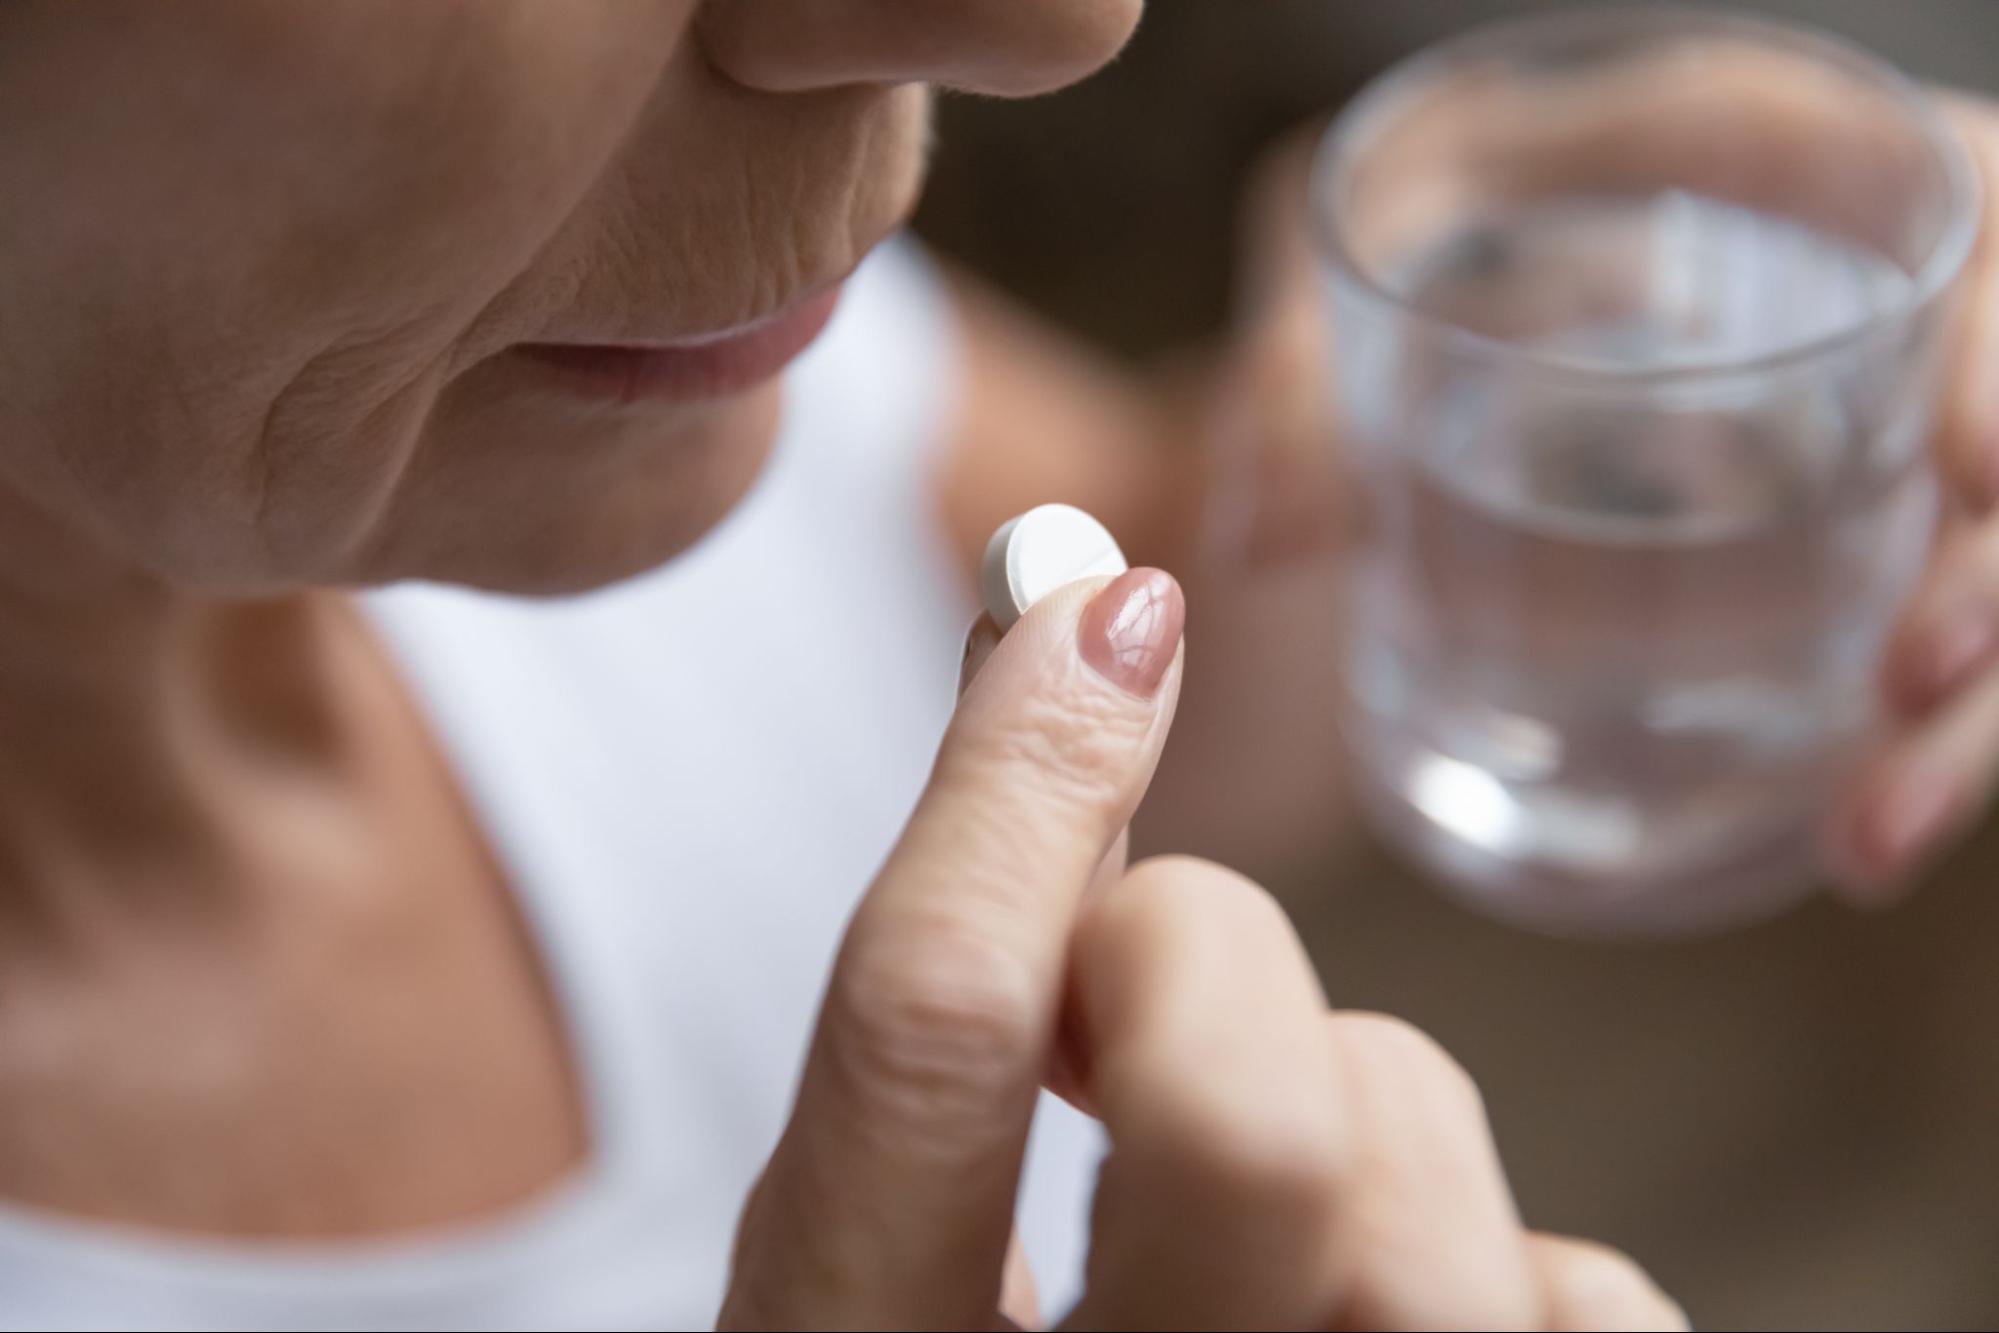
(712, 368)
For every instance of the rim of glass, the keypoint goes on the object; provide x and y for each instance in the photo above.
(1388, 92)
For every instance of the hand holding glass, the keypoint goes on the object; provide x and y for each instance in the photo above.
(1637, 323)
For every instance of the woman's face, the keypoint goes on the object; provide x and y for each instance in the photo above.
(379, 289)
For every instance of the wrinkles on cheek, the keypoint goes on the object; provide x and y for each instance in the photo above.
(332, 450)
(261, 237)
(902, 143)
(729, 206)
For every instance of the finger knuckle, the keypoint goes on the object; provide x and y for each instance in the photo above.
(938, 1027)
(1408, 1065)
(1595, 1286)
(1282, 1165)
(1278, 1159)
(1195, 879)
(1271, 1149)
(1289, 1159)
(1060, 751)
(1200, 894)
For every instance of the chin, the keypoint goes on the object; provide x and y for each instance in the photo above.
(548, 507)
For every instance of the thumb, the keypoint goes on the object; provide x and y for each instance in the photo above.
(889, 1200)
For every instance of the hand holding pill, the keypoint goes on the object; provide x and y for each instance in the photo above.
(1266, 1170)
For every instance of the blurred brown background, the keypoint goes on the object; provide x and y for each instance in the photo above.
(1111, 206)
(1792, 1126)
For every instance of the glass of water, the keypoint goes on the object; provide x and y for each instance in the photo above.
(1638, 323)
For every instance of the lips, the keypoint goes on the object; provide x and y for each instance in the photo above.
(712, 366)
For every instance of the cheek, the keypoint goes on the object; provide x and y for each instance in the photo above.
(247, 324)
(259, 234)
(719, 207)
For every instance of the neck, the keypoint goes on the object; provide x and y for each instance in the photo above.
(128, 709)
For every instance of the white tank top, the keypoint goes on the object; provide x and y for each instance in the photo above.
(689, 792)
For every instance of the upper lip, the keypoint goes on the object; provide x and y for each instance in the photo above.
(795, 297)
(716, 365)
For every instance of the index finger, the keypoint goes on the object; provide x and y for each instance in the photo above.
(889, 1201)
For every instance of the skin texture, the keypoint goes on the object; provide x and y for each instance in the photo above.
(256, 346)
(260, 343)
(1274, 1164)
(308, 310)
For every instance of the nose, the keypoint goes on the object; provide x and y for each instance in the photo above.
(1006, 48)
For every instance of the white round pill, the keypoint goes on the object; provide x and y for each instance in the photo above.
(1048, 547)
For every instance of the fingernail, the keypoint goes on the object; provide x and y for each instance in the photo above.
(1130, 631)
(1909, 822)
(1958, 649)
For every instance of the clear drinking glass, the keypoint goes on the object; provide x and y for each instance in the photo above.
(1637, 325)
